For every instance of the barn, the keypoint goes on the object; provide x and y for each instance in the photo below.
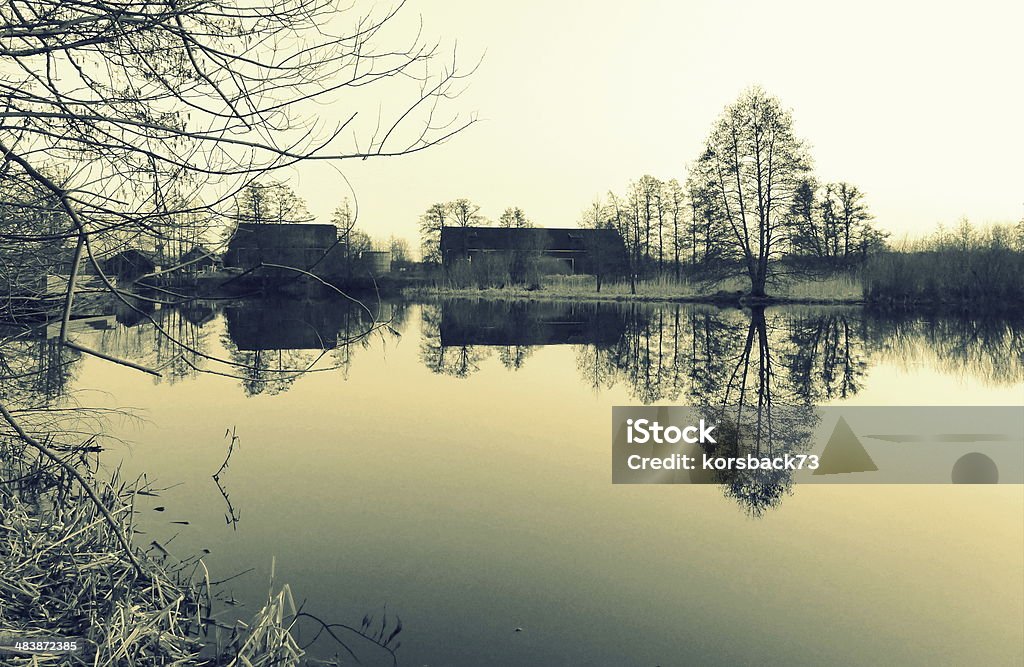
(580, 250)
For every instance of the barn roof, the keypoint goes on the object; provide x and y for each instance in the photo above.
(541, 238)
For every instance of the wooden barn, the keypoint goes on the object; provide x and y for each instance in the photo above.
(128, 265)
(581, 250)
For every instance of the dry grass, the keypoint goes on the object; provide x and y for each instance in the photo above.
(268, 640)
(839, 288)
(843, 288)
(64, 574)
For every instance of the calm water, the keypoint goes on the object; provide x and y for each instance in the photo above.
(452, 469)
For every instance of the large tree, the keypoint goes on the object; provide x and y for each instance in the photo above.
(753, 164)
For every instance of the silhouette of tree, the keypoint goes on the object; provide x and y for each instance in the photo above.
(754, 163)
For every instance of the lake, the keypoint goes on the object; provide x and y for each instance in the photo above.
(451, 468)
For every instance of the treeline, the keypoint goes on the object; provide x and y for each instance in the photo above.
(670, 228)
(750, 204)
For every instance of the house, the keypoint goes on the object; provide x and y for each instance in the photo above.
(308, 247)
(129, 265)
(199, 260)
(581, 250)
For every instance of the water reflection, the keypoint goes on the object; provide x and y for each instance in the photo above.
(756, 373)
(763, 406)
(266, 344)
(35, 370)
(661, 353)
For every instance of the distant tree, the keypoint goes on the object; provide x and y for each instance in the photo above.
(848, 218)
(606, 256)
(644, 196)
(464, 213)
(754, 164)
(458, 213)
(399, 248)
(358, 243)
(514, 217)
(344, 220)
(807, 237)
(431, 222)
(707, 238)
(834, 226)
(675, 206)
(595, 216)
(272, 202)
(623, 219)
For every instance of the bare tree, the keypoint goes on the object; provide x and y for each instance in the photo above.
(271, 202)
(514, 217)
(675, 205)
(159, 110)
(834, 226)
(754, 163)
(399, 248)
(135, 118)
(464, 213)
(431, 222)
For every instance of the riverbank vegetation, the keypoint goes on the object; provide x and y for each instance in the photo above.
(965, 265)
(968, 267)
(840, 288)
(66, 576)
(751, 215)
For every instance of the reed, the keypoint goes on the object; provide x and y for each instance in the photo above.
(966, 266)
(65, 574)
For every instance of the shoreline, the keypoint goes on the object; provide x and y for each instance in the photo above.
(718, 299)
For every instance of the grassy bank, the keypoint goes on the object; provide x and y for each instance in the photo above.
(840, 289)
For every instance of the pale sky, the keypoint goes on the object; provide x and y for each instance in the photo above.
(917, 103)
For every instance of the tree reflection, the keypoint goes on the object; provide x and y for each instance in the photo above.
(514, 356)
(34, 368)
(756, 374)
(174, 340)
(759, 406)
(828, 358)
(458, 334)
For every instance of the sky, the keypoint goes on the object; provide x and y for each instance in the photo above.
(916, 103)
